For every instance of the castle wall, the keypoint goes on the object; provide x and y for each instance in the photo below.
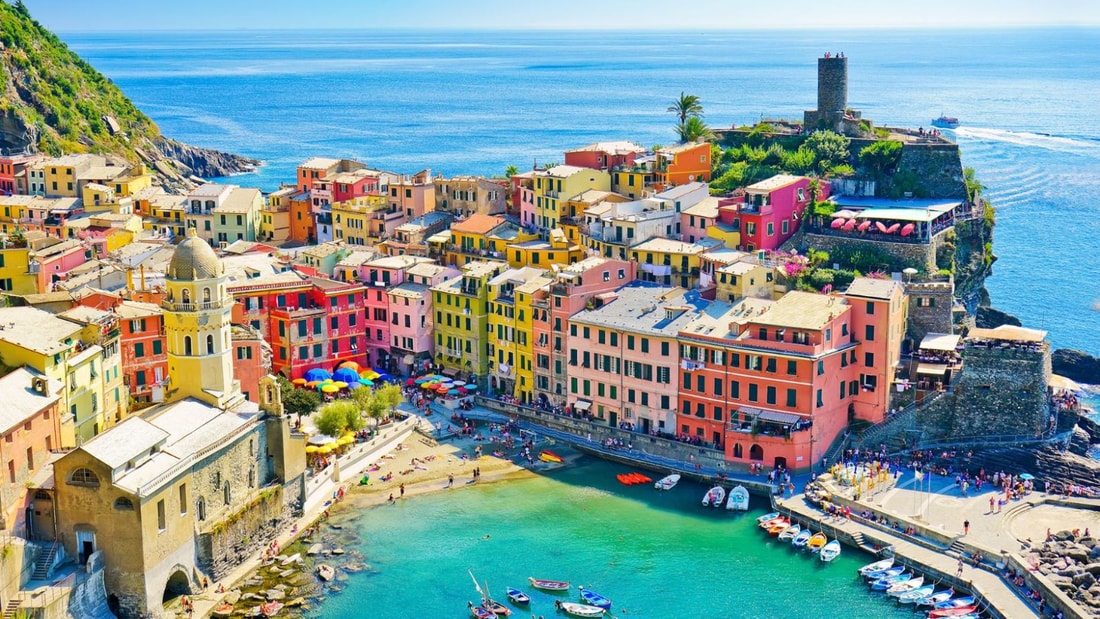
(918, 255)
(930, 308)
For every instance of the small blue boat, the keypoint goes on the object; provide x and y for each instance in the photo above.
(955, 603)
(594, 599)
(882, 584)
(517, 597)
(885, 573)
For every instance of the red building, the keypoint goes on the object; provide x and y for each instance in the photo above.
(251, 360)
(144, 356)
(604, 155)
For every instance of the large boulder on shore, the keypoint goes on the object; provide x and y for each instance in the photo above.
(989, 318)
(1076, 365)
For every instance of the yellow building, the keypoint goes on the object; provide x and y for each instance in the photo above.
(670, 263)
(101, 326)
(351, 219)
(162, 213)
(539, 253)
(633, 182)
(461, 326)
(572, 221)
(13, 211)
(57, 348)
(275, 217)
(745, 278)
(61, 173)
(481, 237)
(511, 347)
(554, 187)
(16, 276)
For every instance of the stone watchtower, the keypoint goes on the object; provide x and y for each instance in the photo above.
(832, 94)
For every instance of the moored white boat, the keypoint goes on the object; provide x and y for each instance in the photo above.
(790, 533)
(886, 573)
(802, 538)
(739, 499)
(881, 564)
(714, 496)
(768, 516)
(935, 598)
(579, 610)
(830, 551)
(912, 596)
(667, 482)
(882, 584)
(905, 587)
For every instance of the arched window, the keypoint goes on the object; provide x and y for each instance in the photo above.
(227, 493)
(737, 451)
(124, 504)
(756, 452)
(201, 508)
(210, 344)
(83, 477)
(187, 345)
(205, 295)
(185, 296)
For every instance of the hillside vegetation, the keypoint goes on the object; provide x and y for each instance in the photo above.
(53, 101)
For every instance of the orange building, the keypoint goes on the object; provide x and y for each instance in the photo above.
(251, 360)
(30, 427)
(681, 164)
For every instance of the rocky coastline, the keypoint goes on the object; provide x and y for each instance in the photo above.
(1072, 563)
(203, 162)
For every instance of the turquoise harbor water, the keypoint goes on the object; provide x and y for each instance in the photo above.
(654, 554)
(476, 102)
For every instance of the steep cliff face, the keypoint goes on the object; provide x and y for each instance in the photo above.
(52, 101)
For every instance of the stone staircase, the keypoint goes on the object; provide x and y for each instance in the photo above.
(12, 608)
(957, 549)
(44, 563)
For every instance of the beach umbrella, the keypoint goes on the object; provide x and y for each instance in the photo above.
(329, 388)
(410, 382)
(313, 383)
(850, 225)
(471, 387)
(1026, 476)
(356, 385)
(907, 229)
(347, 439)
(299, 381)
(837, 222)
(320, 439)
(318, 374)
(458, 383)
(452, 392)
(352, 365)
(341, 384)
(428, 386)
(893, 228)
(312, 449)
(462, 391)
(863, 226)
(364, 381)
(326, 449)
(371, 374)
(383, 376)
(346, 375)
(844, 213)
(881, 227)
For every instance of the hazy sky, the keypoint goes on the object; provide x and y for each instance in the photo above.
(115, 15)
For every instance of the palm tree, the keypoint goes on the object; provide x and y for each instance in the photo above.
(687, 106)
(814, 187)
(511, 171)
(693, 130)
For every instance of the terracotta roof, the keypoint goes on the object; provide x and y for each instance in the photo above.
(478, 224)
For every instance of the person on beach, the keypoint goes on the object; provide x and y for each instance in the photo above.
(450, 480)
(391, 498)
(966, 527)
(402, 490)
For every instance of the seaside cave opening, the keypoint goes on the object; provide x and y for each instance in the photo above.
(177, 585)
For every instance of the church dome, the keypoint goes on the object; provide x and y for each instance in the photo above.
(194, 259)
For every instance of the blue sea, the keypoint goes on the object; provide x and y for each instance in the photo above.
(477, 102)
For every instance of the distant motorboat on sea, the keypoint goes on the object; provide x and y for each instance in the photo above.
(945, 122)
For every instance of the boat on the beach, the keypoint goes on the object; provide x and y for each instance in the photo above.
(817, 542)
(270, 609)
(935, 598)
(222, 610)
(714, 496)
(325, 572)
(791, 532)
(958, 611)
(802, 538)
(945, 122)
(881, 564)
(548, 456)
(882, 584)
(739, 499)
(594, 599)
(516, 596)
(478, 612)
(667, 482)
(913, 595)
(579, 610)
(548, 585)
(830, 551)
(905, 587)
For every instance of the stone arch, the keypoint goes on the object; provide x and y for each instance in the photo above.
(737, 451)
(178, 584)
(756, 452)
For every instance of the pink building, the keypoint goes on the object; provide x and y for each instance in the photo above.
(771, 210)
(410, 305)
(605, 155)
(55, 261)
(577, 284)
(413, 195)
(381, 276)
(523, 197)
(695, 219)
(357, 184)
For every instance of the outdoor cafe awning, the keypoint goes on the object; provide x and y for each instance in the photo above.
(772, 416)
(940, 341)
(932, 369)
(582, 405)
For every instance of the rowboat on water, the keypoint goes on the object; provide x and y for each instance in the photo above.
(905, 587)
(881, 564)
(885, 573)
(955, 603)
(714, 496)
(739, 499)
(516, 596)
(579, 610)
(882, 584)
(594, 599)
(495, 607)
(912, 596)
(768, 524)
(790, 533)
(549, 585)
(548, 456)
(478, 612)
(667, 482)
(958, 611)
(802, 538)
(817, 542)
(779, 527)
(768, 516)
(935, 598)
(830, 551)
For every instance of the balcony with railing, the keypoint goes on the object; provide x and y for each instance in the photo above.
(196, 307)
